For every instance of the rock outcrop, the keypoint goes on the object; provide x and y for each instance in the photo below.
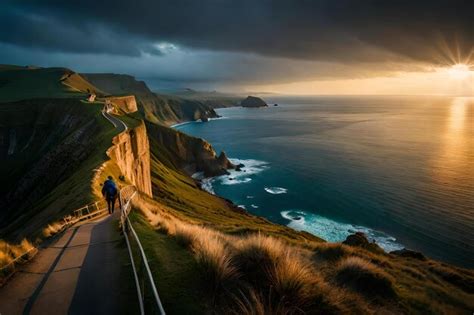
(131, 152)
(409, 254)
(189, 153)
(358, 239)
(252, 101)
(127, 104)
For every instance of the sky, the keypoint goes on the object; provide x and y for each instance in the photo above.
(280, 46)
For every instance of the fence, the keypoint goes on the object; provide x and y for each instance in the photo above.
(87, 212)
(146, 289)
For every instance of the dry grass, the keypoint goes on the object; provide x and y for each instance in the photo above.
(52, 229)
(10, 253)
(215, 261)
(365, 277)
(255, 274)
(331, 252)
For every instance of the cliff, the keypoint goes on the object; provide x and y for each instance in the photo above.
(126, 104)
(131, 152)
(188, 153)
(252, 101)
(157, 108)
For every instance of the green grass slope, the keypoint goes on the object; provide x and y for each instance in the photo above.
(18, 83)
(51, 140)
(58, 144)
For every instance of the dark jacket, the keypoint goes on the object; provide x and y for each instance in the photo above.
(109, 190)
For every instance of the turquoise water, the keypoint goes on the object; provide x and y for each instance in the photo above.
(400, 169)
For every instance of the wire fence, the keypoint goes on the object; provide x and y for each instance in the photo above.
(148, 297)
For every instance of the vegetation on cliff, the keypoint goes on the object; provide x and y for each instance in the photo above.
(265, 273)
(156, 108)
(207, 254)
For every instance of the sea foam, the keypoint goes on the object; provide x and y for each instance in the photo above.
(334, 231)
(276, 190)
(251, 167)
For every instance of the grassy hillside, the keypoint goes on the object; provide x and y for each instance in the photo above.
(268, 272)
(51, 140)
(19, 83)
(58, 143)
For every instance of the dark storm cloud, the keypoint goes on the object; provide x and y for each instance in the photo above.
(326, 30)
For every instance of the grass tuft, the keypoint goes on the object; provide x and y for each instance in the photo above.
(215, 261)
(365, 277)
(52, 229)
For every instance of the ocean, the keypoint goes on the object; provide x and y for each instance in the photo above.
(398, 168)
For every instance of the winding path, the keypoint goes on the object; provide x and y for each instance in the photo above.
(78, 273)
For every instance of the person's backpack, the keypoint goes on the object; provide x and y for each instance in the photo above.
(110, 188)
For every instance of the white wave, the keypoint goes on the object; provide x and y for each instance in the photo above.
(206, 184)
(254, 206)
(251, 167)
(181, 124)
(334, 231)
(250, 197)
(276, 190)
(234, 181)
(194, 122)
(242, 206)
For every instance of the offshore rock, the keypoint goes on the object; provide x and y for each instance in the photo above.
(252, 101)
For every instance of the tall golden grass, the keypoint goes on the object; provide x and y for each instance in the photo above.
(365, 277)
(260, 274)
(52, 229)
(11, 252)
(255, 273)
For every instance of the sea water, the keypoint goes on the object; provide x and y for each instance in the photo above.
(399, 169)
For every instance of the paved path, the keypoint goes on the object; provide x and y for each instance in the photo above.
(115, 121)
(79, 273)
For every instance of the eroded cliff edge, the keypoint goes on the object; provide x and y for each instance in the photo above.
(189, 153)
(131, 153)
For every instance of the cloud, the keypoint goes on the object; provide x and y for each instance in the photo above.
(346, 31)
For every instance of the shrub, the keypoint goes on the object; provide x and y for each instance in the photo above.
(365, 277)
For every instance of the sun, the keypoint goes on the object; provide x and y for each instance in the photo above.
(459, 71)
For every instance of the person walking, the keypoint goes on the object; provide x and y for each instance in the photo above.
(110, 193)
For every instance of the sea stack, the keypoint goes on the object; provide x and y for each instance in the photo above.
(253, 101)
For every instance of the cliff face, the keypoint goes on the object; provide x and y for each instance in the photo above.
(156, 108)
(188, 153)
(131, 152)
(128, 104)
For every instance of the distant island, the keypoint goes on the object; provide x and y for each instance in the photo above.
(253, 101)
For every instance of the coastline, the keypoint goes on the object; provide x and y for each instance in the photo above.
(174, 126)
(299, 220)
